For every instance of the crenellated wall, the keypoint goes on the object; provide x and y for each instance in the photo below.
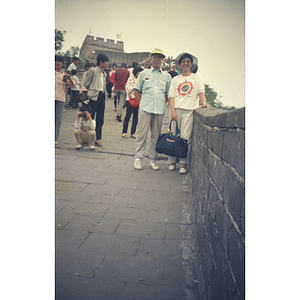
(92, 43)
(218, 185)
(92, 46)
(128, 58)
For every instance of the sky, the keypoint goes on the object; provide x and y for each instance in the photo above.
(211, 30)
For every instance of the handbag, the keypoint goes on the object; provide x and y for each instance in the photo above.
(133, 102)
(172, 145)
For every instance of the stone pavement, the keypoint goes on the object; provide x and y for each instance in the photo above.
(121, 233)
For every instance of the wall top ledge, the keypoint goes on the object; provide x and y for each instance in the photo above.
(222, 118)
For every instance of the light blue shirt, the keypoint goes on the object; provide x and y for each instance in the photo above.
(154, 86)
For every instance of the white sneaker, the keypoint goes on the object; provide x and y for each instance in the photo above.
(182, 171)
(92, 147)
(79, 146)
(137, 164)
(172, 167)
(153, 165)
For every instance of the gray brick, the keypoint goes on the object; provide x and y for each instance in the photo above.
(234, 197)
(237, 259)
(219, 175)
(233, 150)
(217, 239)
(210, 137)
(231, 119)
(223, 225)
(213, 199)
(217, 143)
(220, 120)
(241, 118)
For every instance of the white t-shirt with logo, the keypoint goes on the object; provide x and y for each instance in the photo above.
(185, 90)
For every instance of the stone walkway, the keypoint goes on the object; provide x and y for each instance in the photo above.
(120, 233)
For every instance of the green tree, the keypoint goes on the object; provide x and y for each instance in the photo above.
(59, 39)
(211, 98)
(74, 50)
(210, 95)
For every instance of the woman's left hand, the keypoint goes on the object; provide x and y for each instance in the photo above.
(204, 105)
(174, 116)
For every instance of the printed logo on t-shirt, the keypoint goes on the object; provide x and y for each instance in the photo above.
(185, 88)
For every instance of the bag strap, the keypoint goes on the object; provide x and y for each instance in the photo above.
(176, 130)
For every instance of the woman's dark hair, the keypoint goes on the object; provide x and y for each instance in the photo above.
(135, 64)
(137, 69)
(194, 70)
(186, 55)
(101, 57)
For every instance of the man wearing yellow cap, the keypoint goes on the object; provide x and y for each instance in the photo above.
(151, 90)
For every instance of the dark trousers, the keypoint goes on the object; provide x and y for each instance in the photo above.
(73, 102)
(98, 108)
(115, 101)
(59, 107)
(129, 111)
(109, 89)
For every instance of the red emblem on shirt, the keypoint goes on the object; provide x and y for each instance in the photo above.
(185, 88)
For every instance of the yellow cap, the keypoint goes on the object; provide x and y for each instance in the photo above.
(158, 51)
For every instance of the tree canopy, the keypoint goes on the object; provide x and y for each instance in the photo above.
(59, 39)
(211, 98)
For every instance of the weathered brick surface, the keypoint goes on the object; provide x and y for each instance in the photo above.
(218, 185)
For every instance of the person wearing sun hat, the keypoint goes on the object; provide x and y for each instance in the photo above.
(185, 92)
(151, 91)
(194, 66)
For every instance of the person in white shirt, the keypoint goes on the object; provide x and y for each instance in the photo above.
(84, 131)
(87, 68)
(95, 84)
(73, 103)
(73, 65)
(185, 92)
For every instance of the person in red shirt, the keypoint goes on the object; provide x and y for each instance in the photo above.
(121, 76)
(114, 68)
(111, 81)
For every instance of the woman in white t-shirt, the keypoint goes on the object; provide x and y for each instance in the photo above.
(185, 92)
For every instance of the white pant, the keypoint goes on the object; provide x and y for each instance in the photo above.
(185, 127)
(147, 121)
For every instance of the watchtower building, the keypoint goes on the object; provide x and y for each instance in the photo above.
(92, 44)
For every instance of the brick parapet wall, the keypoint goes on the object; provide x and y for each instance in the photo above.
(92, 43)
(128, 58)
(218, 185)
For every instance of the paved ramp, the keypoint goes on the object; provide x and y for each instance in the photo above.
(120, 233)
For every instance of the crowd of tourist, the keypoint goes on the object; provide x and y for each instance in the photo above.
(143, 91)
